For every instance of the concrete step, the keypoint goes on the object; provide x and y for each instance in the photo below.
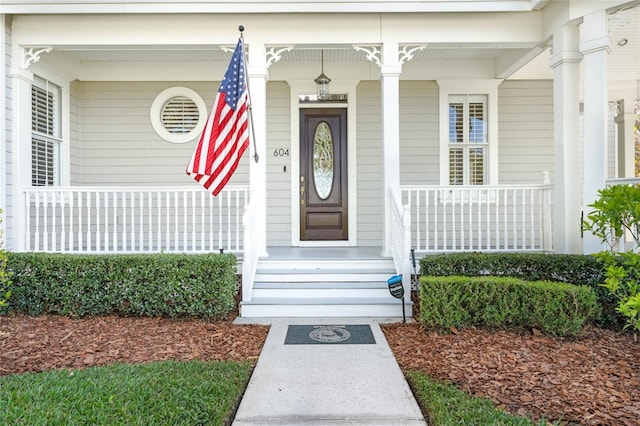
(324, 307)
(324, 288)
(325, 265)
(263, 276)
(360, 290)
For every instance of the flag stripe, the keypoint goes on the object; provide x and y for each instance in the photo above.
(226, 134)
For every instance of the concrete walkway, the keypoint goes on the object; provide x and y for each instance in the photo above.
(326, 384)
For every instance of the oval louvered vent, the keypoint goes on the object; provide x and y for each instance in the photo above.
(180, 115)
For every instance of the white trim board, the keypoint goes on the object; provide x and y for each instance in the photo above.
(305, 87)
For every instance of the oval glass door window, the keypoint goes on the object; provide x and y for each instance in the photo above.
(323, 160)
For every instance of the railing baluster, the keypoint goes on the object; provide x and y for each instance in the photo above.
(132, 221)
(167, 226)
(97, 222)
(115, 221)
(202, 221)
(237, 219)
(63, 219)
(27, 207)
(176, 224)
(80, 221)
(437, 206)
(193, 221)
(45, 220)
(71, 215)
(487, 231)
(229, 219)
(533, 222)
(159, 219)
(184, 223)
(105, 198)
(124, 221)
(141, 221)
(211, 229)
(523, 219)
(54, 231)
(36, 234)
(220, 208)
(497, 209)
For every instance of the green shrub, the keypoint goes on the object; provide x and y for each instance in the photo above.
(615, 213)
(5, 276)
(555, 308)
(567, 268)
(157, 285)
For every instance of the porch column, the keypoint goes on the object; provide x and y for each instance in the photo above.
(565, 63)
(390, 75)
(595, 48)
(3, 131)
(257, 73)
(21, 80)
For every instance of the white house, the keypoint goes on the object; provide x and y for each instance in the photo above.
(449, 125)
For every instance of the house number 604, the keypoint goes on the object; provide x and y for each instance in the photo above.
(281, 152)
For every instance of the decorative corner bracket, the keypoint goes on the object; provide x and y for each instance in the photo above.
(31, 55)
(374, 54)
(274, 54)
(407, 52)
(228, 48)
(619, 19)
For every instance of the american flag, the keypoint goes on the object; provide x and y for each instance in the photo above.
(226, 134)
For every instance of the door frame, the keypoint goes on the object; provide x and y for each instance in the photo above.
(303, 87)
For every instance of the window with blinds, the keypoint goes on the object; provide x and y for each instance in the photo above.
(180, 115)
(468, 143)
(45, 133)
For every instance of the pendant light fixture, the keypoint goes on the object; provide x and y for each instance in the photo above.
(322, 82)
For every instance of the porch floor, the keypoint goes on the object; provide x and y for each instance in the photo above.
(342, 253)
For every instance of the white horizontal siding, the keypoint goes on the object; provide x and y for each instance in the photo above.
(278, 166)
(75, 159)
(419, 152)
(525, 133)
(369, 165)
(117, 144)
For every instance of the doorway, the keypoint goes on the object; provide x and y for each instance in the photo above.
(323, 183)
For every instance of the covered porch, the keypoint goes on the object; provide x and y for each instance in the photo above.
(458, 137)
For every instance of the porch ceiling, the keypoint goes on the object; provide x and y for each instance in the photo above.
(624, 59)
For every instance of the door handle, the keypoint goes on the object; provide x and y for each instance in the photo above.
(302, 195)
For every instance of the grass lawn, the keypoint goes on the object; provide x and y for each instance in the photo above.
(158, 393)
(447, 405)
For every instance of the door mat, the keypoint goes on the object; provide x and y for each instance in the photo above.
(329, 335)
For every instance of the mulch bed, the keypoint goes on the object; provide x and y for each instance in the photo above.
(594, 380)
(33, 344)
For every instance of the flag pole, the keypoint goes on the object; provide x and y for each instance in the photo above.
(253, 131)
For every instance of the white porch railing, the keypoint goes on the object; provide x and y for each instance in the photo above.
(479, 218)
(134, 219)
(400, 245)
(251, 249)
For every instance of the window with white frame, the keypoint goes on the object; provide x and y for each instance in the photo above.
(468, 142)
(45, 133)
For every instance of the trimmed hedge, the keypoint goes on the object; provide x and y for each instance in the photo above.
(154, 285)
(555, 308)
(568, 268)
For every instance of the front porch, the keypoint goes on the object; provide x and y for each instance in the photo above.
(289, 280)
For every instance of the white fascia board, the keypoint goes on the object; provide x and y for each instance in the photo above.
(258, 6)
(519, 29)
